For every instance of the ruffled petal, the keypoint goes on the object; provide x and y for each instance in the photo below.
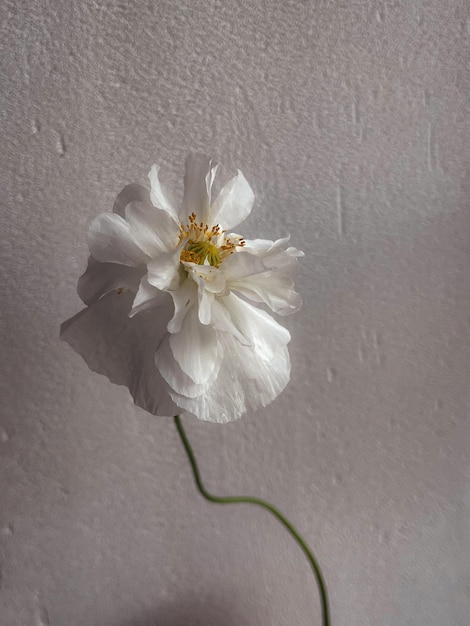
(241, 264)
(271, 288)
(123, 348)
(172, 373)
(211, 310)
(245, 382)
(199, 174)
(274, 254)
(205, 302)
(110, 241)
(222, 320)
(101, 278)
(272, 281)
(196, 349)
(234, 202)
(153, 229)
(257, 326)
(260, 247)
(215, 405)
(207, 276)
(158, 196)
(147, 297)
(184, 299)
(163, 271)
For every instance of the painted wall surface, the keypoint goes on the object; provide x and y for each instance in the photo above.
(350, 120)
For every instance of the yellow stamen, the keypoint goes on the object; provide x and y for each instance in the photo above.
(199, 251)
(201, 244)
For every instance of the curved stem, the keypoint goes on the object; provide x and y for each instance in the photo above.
(265, 505)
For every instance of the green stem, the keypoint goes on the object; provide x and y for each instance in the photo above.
(265, 505)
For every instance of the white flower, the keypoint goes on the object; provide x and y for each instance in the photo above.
(173, 300)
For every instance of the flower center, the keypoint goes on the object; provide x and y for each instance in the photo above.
(200, 251)
(203, 245)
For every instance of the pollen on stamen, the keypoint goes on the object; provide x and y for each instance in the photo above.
(202, 244)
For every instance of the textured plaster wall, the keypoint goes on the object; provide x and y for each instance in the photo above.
(350, 119)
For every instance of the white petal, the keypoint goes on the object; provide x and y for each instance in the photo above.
(234, 202)
(101, 278)
(214, 406)
(196, 349)
(211, 310)
(110, 241)
(183, 299)
(262, 379)
(210, 282)
(245, 381)
(274, 253)
(158, 197)
(240, 264)
(274, 287)
(206, 300)
(222, 320)
(257, 326)
(261, 246)
(174, 375)
(163, 271)
(153, 229)
(123, 348)
(271, 377)
(271, 288)
(147, 297)
(210, 278)
(199, 174)
(282, 258)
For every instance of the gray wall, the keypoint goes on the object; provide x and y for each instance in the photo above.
(349, 119)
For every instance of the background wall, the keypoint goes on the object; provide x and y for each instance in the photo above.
(350, 120)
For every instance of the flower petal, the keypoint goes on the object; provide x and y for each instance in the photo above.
(153, 229)
(222, 320)
(123, 348)
(215, 405)
(196, 349)
(211, 310)
(245, 382)
(110, 241)
(273, 284)
(271, 288)
(206, 300)
(184, 299)
(234, 202)
(101, 278)
(241, 264)
(158, 197)
(207, 276)
(147, 297)
(260, 246)
(199, 174)
(174, 375)
(273, 253)
(210, 281)
(257, 326)
(163, 271)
